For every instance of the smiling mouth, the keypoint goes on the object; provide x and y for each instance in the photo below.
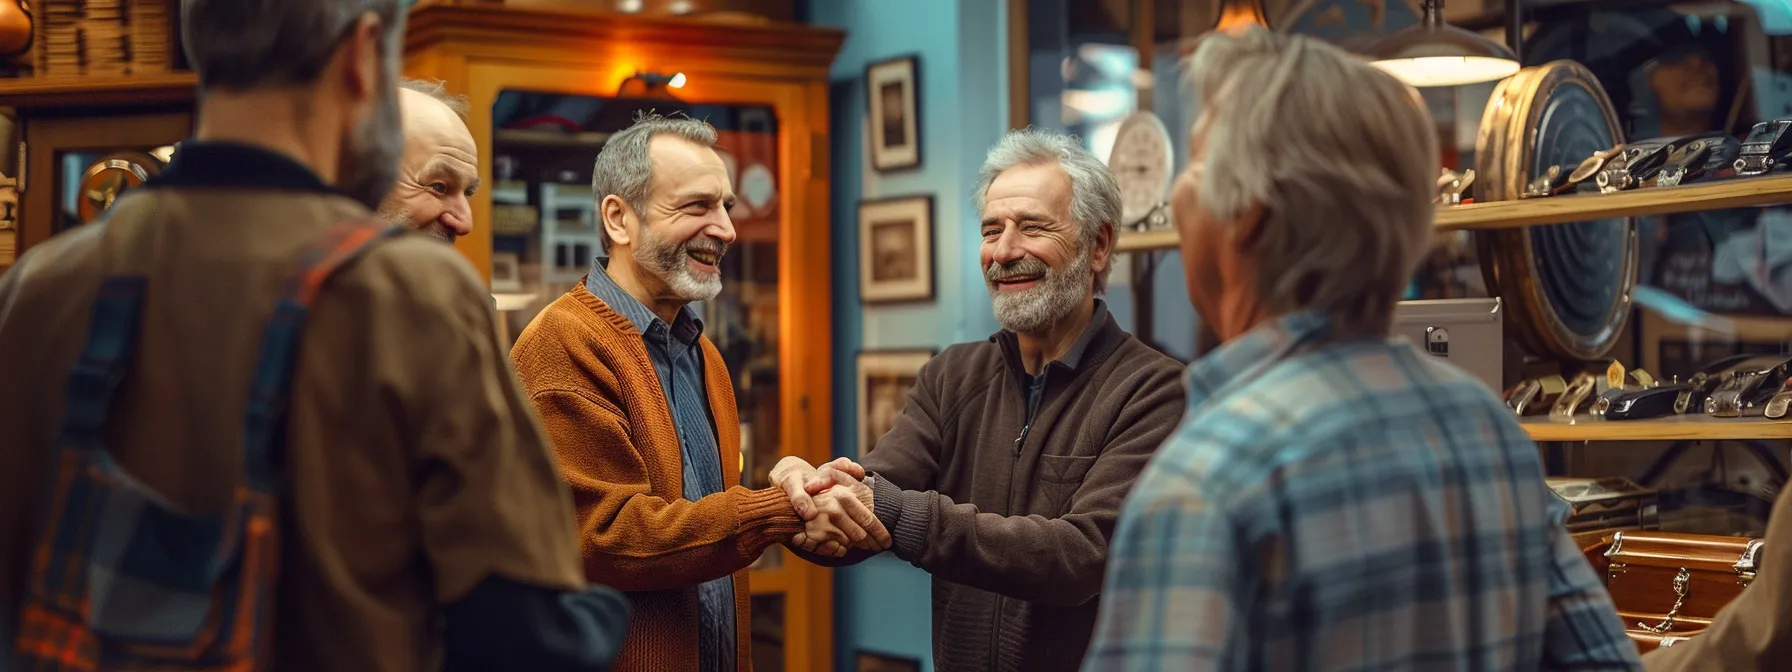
(705, 257)
(1010, 283)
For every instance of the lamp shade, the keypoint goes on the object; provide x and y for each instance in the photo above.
(1240, 15)
(1434, 53)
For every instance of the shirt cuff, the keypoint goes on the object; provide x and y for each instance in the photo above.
(906, 515)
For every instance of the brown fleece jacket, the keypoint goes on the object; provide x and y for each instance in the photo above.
(1008, 497)
(587, 371)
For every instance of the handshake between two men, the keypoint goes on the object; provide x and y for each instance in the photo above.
(835, 504)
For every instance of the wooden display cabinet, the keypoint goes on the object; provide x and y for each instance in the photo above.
(66, 124)
(546, 85)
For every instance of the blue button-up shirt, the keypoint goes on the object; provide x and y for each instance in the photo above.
(1347, 505)
(678, 359)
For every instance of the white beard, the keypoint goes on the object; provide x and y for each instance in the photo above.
(689, 287)
(673, 268)
(1054, 298)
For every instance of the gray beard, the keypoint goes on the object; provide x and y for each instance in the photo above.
(1053, 299)
(667, 261)
(368, 166)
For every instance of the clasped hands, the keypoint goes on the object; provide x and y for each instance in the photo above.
(835, 505)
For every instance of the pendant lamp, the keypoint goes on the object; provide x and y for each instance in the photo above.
(1435, 53)
(1231, 17)
(1239, 15)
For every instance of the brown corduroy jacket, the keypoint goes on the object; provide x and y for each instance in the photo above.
(587, 372)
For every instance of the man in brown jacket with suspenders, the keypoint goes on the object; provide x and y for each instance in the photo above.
(420, 523)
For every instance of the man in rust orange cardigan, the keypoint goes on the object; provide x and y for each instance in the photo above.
(641, 411)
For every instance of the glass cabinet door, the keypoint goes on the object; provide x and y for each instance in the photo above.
(73, 167)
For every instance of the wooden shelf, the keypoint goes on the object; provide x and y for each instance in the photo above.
(1719, 195)
(1671, 428)
(541, 138)
(82, 92)
(1146, 241)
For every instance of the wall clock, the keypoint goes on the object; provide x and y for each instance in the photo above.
(1141, 161)
(109, 177)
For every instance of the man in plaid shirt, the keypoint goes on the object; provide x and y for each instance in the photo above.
(1334, 499)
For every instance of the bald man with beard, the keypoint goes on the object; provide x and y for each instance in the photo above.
(439, 172)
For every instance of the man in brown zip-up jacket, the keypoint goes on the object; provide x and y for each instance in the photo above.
(1006, 470)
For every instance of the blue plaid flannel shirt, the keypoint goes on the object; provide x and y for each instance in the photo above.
(1347, 505)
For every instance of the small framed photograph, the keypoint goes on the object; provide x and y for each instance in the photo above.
(893, 87)
(896, 249)
(885, 378)
(871, 661)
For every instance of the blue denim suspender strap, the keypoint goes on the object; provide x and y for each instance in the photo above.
(120, 578)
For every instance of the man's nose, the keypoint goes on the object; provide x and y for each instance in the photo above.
(1006, 248)
(722, 228)
(458, 217)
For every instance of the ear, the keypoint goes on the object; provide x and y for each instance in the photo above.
(1248, 227)
(615, 214)
(360, 52)
(1102, 255)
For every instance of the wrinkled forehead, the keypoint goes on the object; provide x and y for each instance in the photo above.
(1028, 191)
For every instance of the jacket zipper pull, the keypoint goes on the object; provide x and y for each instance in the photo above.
(1022, 438)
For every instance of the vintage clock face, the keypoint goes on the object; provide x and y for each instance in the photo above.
(1141, 162)
(109, 177)
(1569, 286)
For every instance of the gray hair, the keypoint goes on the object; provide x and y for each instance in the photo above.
(438, 90)
(1094, 193)
(623, 168)
(1340, 157)
(244, 45)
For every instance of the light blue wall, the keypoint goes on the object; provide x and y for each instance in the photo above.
(884, 604)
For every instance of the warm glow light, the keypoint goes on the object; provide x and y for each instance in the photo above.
(1448, 70)
(677, 81)
(1239, 17)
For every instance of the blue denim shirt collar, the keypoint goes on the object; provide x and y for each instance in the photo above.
(686, 326)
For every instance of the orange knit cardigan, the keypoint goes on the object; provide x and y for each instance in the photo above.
(587, 372)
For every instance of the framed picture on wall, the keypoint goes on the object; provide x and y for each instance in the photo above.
(885, 377)
(871, 661)
(896, 249)
(894, 104)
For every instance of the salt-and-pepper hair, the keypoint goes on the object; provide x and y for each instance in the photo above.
(623, 167)
(1094, 193)
(248, 45)
(1340, 157)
